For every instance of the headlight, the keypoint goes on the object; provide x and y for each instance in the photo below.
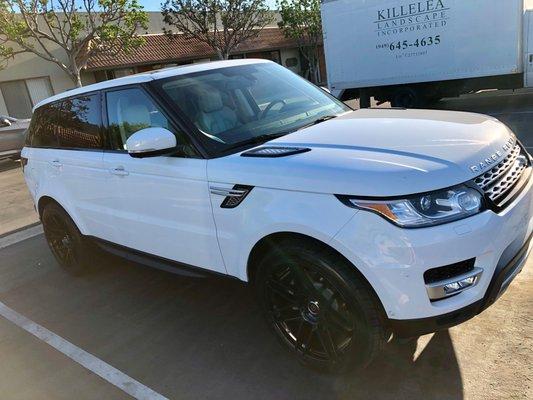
(426, 209)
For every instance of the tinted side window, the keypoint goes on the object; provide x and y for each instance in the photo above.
(80, 123)
(31, 128)
(44, 126)
(130, 110)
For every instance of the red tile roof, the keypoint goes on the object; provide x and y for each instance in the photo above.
(159, 49)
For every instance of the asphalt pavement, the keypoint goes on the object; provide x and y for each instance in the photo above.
(515, 108)
(188, 338)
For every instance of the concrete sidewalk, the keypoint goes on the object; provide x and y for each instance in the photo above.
(16, 206)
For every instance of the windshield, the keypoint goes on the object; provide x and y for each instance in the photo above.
(240, 105)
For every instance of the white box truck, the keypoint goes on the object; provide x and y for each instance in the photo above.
(413, 52)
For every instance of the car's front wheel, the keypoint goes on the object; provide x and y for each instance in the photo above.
(319, 307)
(64, 239)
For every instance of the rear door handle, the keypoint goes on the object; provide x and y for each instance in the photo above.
(119, 171)
(56, 164)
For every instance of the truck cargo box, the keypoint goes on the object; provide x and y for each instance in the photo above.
(383, 42)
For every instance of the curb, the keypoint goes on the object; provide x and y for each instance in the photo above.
(3, 235)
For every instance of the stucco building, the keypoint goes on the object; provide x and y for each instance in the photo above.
(28, 79)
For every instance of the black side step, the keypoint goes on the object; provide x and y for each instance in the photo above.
(154, 261)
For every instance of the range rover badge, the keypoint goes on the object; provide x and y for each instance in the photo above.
(493, 158)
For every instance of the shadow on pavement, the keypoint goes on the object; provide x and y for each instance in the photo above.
(513, 108)
(200, 338)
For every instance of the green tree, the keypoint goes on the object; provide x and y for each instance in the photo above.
(79, 29)
(301, 20)
(221, 24)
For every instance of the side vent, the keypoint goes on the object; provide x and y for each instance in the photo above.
(274, 151)
(233, 196)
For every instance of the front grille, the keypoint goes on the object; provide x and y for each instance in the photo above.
(448, 271)
(500, 180)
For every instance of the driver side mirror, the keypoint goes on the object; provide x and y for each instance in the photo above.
(4, 122)
(151, 142)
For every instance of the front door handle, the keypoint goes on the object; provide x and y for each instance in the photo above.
(119, 171)
(56, 164)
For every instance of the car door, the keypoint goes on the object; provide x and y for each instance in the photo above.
(162, 204)
(66, 161)
(80, 165)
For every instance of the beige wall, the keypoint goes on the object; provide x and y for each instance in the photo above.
(290, 53)
(26, 66)
(3, 108)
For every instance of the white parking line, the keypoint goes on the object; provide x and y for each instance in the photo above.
(20, 236)
(87, 360)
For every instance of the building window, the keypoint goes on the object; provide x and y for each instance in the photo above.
(20, 96)
(119, 73)
(267, 55)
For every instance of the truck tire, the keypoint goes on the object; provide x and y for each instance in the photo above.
(319, 307)
(406, 97)
(69, 247)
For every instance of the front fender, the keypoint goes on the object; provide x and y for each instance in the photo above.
(268, 211)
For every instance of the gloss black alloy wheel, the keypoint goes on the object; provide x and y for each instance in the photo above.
(64, 239)
(319, 308)
(310, 312)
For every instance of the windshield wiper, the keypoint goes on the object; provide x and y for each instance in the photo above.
(258, 140)
(318, 121)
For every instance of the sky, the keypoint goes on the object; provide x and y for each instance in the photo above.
(155, 5)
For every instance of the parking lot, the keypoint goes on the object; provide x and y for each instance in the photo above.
(188, 338)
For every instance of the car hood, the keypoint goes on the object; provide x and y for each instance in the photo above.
(377, 152)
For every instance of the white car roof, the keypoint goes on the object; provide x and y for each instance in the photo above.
(150, 76)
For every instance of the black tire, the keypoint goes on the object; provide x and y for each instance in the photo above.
(364, 99)
(406, 97)
(69, 247)
(319, 307)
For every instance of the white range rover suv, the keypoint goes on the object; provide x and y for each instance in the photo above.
(350, 225)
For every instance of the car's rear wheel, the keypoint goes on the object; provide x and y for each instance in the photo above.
(319, 307)
(64, 239)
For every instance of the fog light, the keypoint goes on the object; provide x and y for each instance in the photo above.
(455, 285)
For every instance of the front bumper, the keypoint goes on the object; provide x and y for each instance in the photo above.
(501, 279)
(394, 260)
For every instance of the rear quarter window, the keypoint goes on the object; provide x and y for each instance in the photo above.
(42, 132)
(72, 123)
(79, 123)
